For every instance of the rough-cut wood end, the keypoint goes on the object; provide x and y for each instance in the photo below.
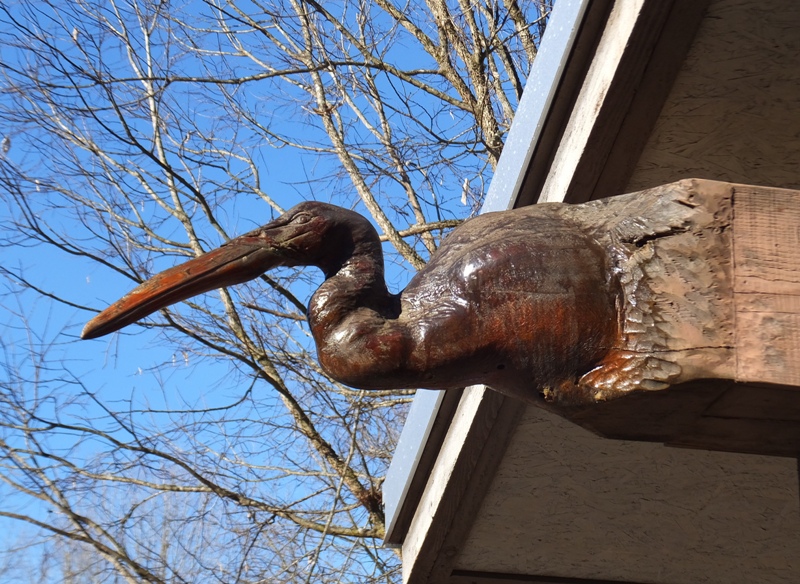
(708, 350)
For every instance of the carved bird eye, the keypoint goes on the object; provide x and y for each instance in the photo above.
(301, 218)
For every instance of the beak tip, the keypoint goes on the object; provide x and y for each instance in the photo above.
(104, 323)
(238, 261)
(90, 331)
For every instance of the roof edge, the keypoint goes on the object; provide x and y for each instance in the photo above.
(427, 419)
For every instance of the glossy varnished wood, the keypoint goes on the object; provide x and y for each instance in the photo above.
(523, 301)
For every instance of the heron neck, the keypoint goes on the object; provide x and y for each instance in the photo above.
(358, 284)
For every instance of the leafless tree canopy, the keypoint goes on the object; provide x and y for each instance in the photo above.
(137, 133)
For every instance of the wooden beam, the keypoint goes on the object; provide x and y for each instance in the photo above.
(766, 260)
(706, 353)
(708, 348)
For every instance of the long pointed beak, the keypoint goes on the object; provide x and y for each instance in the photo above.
(240, 260)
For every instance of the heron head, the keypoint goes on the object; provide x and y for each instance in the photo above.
(309, 234)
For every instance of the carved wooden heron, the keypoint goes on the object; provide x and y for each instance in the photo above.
(520, 300)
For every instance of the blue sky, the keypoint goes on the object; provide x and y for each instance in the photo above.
(140, 369)
(136, 369)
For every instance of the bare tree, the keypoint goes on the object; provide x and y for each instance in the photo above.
(137, 133)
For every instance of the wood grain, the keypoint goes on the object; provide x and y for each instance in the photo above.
(767, 285)
(708, 354)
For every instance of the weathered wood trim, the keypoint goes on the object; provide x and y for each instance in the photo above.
(427, 459)
(636, 62)
(649, 97)
(710, 283)
(554, 121)
(478, 435)
(670, 248)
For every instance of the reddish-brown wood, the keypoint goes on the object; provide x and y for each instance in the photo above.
(564, 306)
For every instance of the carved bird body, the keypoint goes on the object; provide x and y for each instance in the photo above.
(521, 300)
